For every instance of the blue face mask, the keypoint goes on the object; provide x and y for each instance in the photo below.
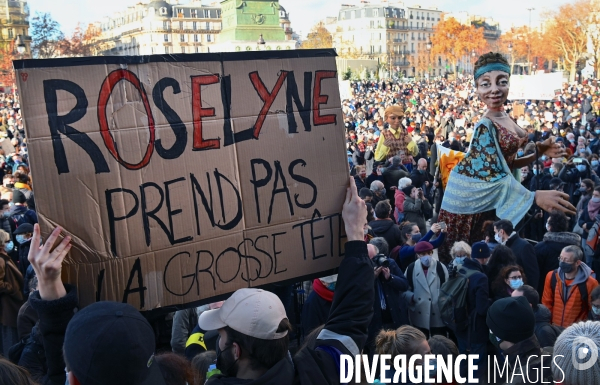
(416, 238)
(596, 310)
(595, 163)
(535, 171)
(520, 153)
(581, 167)
(597, 132)
(9, 246)
(331, 286)
(21, 238)
(515, 283)
(581, 132)
(426, 260)
(459, 260)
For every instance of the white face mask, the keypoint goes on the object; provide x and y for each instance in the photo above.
(498, 238)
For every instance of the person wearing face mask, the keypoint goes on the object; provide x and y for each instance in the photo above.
(595, 164)
(389, 310)
(411, 235)
(510, 278)
(567, 289)
(7, 225)
(420, 177)
(317, 305)
(511, 324)
(586, 191)
(523, 250)
(425, 278)
(459, 252)
(540, 179)
(417, 208)
(379, 192)
(594, 313)
(23, 235)
(11, 297)
(590, 213)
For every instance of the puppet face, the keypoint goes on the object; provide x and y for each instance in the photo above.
(492, 89)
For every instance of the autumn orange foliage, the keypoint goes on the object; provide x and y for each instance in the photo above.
(454, 40)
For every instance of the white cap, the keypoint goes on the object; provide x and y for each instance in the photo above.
(253, 312)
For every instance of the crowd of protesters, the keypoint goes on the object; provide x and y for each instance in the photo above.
(531, 287)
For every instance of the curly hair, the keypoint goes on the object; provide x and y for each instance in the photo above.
(489, 58)
(558, 221)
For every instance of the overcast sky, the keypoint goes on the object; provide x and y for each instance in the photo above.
(306, 13)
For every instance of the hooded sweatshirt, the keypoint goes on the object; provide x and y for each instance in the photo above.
(565, 301)
(387, 229)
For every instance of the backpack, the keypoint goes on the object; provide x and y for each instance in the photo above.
(452, 301)
(583, 291)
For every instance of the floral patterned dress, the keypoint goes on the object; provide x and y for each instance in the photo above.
(482, 163)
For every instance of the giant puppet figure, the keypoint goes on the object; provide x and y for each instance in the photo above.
(482, 185)
(395, 138)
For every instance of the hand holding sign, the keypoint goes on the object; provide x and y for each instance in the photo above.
(354, 214)
(47, 264)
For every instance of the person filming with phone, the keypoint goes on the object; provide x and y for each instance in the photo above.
(575, 170)
(417, 208)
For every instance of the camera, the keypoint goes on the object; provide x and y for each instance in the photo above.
(381, 260)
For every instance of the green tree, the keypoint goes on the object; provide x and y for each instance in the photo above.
(46, 36)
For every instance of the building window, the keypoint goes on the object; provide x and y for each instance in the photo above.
(182, 38)
(353, 15)
(10, 33)
(152, 50)
(162, 11)
(206, 13)
(182, 49)
(194, 25)
(375, 13)
(207, 26)
(166, 37)
(194, 13)
(180, 13)
(181, 25)
(363, 13)
(197, 49)
(209, 38)
(372, 24)
(166, 25)
(166, 49)
(195, 38)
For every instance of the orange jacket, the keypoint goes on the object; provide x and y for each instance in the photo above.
(566, 314)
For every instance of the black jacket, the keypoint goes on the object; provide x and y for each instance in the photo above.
(419, 179)
(314, 312)
(33, 357)
(525, 258)
(478, 302)
(392, 292)
(531, 366)
(545, 332)
(548, 251)
(540, 182)
(54, 318)
(388, 230)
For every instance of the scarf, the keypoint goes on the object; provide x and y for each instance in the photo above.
(322, 291)
(22, 185)
(593, 209)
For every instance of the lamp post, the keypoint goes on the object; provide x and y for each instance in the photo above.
(529, 41)
(429, 45)
(21, 48)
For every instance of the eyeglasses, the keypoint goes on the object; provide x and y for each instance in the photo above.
(564, 260)
(514, 278)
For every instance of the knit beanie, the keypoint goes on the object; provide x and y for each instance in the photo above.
(578, 345)
(407, 190)
(18, 197)
(511, 319)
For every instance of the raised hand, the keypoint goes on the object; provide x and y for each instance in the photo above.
(554, 200)
(354, 214)
(47, 263)
(551, 149)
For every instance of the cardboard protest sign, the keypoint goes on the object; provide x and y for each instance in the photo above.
(185, 177)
